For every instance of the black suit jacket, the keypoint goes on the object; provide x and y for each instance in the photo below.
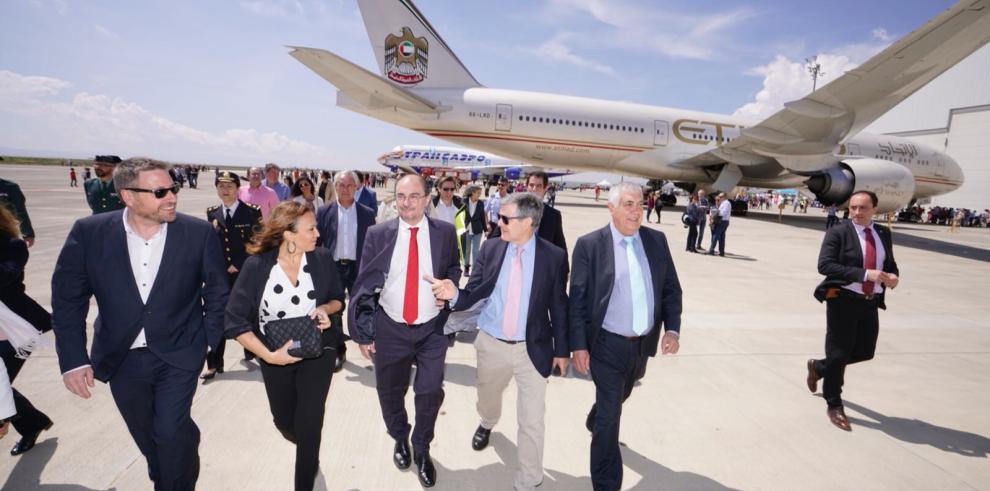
(13, 258)
(246, 295)
(235, 236)
(375, 262)
(184, 313)
(841, 258)
(546, 320)
(477, 221)
(326, 223)
(592, 277)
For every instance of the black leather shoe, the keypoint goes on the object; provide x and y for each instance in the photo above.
(425, 469)
(401, 454)
(27, 441)
(480, 439)
(339, 364)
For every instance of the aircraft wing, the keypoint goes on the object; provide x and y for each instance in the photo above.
(803, 135)
(360, 84)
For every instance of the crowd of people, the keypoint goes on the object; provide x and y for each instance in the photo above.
(280, 261)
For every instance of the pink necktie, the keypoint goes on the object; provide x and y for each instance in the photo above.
(510, 321)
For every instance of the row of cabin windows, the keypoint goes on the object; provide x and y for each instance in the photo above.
(583, 124)
(699, 136)
(901, 160)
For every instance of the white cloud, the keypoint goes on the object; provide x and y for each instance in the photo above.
(106, 32)
(557, 49)
(786, 80)
(94, 123)
(651, 28)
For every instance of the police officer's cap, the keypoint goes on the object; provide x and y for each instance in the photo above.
(107, 159)
(228, 176)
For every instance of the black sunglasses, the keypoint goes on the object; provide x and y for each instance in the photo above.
(159, 193)
(506, 219)
(446, 189)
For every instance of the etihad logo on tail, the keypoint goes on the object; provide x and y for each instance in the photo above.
(406, 58)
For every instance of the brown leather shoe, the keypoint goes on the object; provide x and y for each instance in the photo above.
(813, 377)
(838, 417)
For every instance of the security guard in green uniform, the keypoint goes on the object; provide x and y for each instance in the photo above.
(12, 197)
(100, 192)
(235, 222)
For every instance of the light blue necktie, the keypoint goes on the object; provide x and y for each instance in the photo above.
(638, 289)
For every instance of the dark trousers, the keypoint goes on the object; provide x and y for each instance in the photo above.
(830, 221)
(29, 420)
(214, 359)
(718, 237)
(397, 346)
(850, 337)
(692, 238)
(348, 273)
(155, 400)
(616, 364)
(297, 396)
(701, 230)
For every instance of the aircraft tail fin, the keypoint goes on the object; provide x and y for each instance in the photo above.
(410, 53)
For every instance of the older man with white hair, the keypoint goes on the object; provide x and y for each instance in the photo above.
(624, 292)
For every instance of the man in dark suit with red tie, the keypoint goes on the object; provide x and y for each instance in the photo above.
(161, 287)
(343, 225)
(395, 318)
(857, 259)
(624, 294)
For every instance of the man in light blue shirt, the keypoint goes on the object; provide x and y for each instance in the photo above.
(518, 286)
(272, 180)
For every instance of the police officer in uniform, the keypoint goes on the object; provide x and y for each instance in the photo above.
(100, 192)
(235, 222)
(12, 197)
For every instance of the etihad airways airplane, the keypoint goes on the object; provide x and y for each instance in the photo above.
(462, 162)
(815, 141)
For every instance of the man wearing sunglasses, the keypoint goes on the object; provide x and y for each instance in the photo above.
(518, 289)
(624, 293)
(101, 194)
(445, 204)
(161, 287)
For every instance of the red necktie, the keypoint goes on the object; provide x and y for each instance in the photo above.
(410, 304)
(870, 260)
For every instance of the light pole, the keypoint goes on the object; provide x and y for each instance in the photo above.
(815, 69)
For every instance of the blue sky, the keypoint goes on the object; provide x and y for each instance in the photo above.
(211, 81)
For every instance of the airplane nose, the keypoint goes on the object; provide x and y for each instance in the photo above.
(955, 170)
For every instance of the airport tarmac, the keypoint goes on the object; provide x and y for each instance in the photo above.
(730, 411)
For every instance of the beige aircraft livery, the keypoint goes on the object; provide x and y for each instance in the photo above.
(816, 141)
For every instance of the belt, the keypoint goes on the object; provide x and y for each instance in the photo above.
(345, 262)
(845, 292)
(506, 341)
(627, 338)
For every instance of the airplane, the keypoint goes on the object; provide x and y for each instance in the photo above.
(815, 141)
(461, 162)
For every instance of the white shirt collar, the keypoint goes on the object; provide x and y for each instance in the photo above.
(403, 226)
(129, 230)
(232, 208)
(859, 228)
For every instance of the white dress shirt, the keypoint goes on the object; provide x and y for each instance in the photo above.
(232, 208)
(347, 229)
(446, 212)
(725, 210)
(394, 291)
(146, 257)
(881, 256)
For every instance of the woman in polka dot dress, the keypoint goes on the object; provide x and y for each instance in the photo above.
(288, 276)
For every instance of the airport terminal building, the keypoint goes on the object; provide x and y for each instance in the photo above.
(952, 114)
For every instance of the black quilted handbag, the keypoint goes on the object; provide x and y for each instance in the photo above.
(301, 329)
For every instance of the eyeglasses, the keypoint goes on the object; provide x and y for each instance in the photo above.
(411, 197)
(506, 219)
(159, 192)
(446, 189)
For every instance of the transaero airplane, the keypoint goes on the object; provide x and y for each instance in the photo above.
(462, 162)
(815, 141)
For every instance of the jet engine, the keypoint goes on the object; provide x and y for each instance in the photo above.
(513, 173)
(893, 183)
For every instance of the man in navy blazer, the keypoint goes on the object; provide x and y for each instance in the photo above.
(161, 286)
(342, 227)
(624, 291)
(519, 289)
(393, 316)
(365, 195)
